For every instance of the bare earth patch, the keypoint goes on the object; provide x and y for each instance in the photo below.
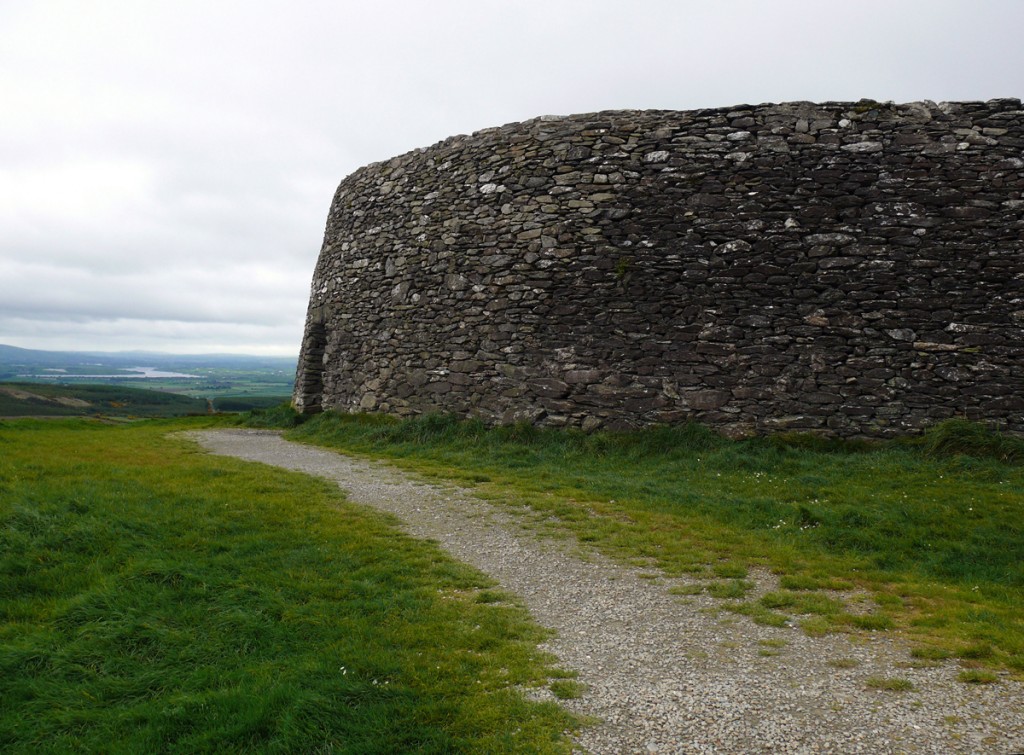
(671, 674)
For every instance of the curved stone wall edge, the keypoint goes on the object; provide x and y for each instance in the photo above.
(850, 268)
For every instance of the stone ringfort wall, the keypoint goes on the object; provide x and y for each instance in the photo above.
(854, 268)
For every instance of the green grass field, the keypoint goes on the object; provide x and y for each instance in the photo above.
(154, 598)
(157, 599)
(246, 403)
(924, 537)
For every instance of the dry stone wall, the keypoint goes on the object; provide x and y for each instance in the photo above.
(852, 268)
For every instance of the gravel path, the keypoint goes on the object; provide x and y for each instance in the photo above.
(672, 675)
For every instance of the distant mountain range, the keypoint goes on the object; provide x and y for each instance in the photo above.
(14, 359)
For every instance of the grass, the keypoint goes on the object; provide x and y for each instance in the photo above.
(889, 684)
(770, 648)
(733, 588)
(735, 571)
(977, 676)
(808, 582)
(931, 653)
(154, 599)
(246, 403)
(692, 589)
(979, 651)
(802, 603)
(47, 399)
(930, 528)
(567, 689)
(758, 614)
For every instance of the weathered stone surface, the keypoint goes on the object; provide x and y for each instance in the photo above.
(798, 266)
(707, 399)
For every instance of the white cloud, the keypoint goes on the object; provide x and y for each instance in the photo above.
(126, 334)
(166, 168)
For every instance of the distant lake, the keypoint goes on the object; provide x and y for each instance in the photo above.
(142, 373)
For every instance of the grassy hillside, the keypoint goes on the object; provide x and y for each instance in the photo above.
(156, 599)
(247, 403)
(153, 598)
(48, 399)
(923, 536)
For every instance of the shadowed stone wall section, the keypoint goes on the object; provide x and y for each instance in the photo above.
(854, 268)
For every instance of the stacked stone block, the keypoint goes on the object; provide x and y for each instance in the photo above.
(850, 268)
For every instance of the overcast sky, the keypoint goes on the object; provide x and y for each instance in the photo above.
(166, 167)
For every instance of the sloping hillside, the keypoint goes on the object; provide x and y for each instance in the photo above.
(42, 400)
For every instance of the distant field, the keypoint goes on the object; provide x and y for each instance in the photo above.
(50, 400)
(247, 403)
(157, 599)
(87, 400)
(235, 377)
(229, 383)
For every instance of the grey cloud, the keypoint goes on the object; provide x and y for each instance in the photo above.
(166, 169)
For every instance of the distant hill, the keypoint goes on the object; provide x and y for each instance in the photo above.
(49, 400)
(13, 355)
(244, 377)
